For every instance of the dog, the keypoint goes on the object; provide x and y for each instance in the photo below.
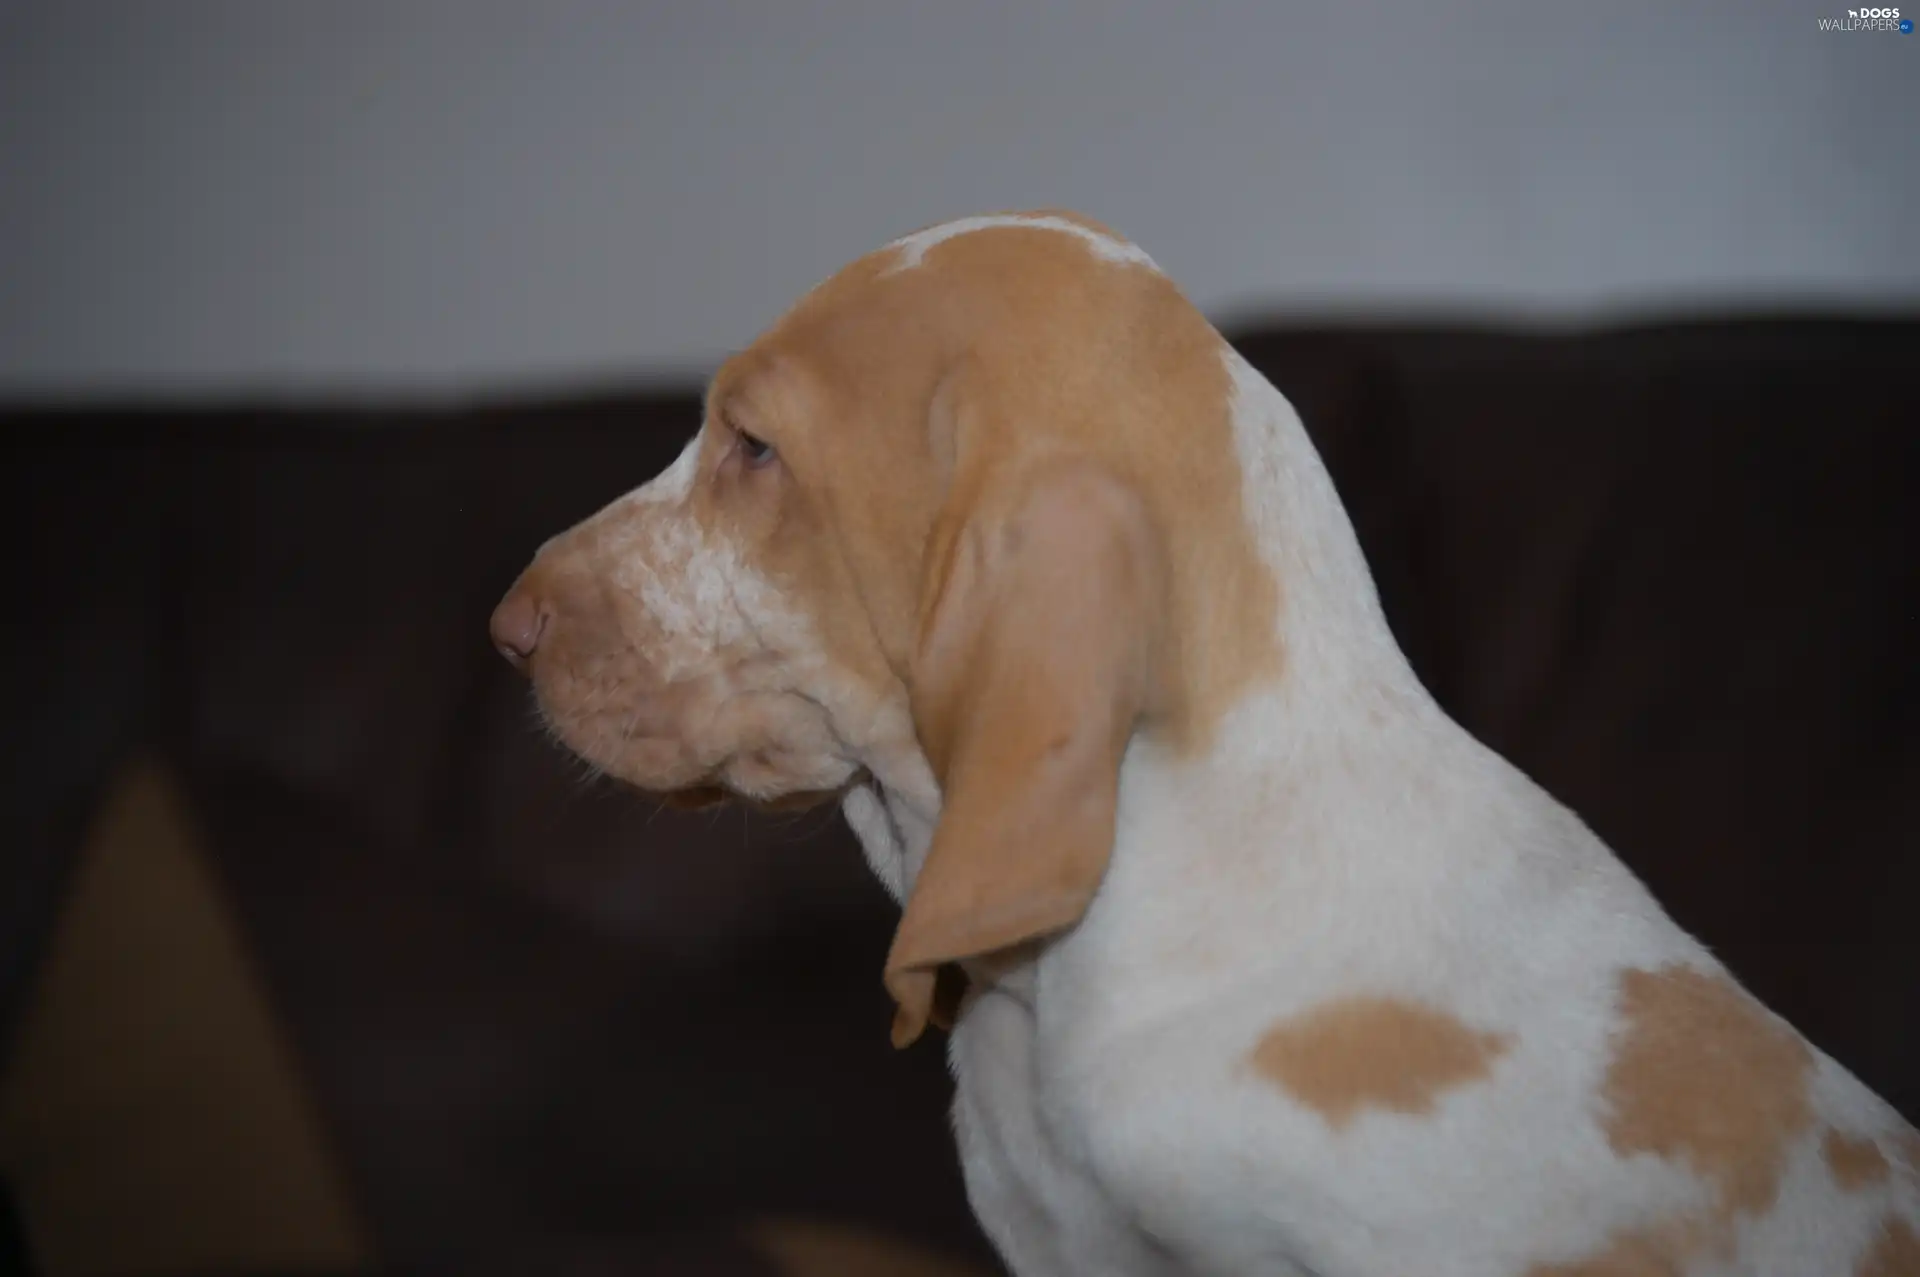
(1252, 960)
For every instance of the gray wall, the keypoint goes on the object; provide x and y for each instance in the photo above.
(381, 195)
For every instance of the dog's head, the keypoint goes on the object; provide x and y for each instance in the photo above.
(971, 511)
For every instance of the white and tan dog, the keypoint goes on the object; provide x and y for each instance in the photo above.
(1270, 968)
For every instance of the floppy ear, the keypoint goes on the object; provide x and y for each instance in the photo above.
(1035, 662)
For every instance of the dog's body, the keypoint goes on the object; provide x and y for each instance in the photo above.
(1271, 967)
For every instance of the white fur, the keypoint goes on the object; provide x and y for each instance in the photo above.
(1342, 837)
(697, 594)
(706, 617)
(913, 249)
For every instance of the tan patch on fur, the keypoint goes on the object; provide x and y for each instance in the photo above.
(1374, 1052)
(935, 389)
(1855, 1163)
(1657, 1252)
(1895, 1254)
(1703, 1075)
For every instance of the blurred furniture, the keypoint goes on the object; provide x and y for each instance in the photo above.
(1672, 571)
(152, 1110)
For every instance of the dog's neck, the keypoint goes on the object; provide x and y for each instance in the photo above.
(1341, 666)
(1334, 639)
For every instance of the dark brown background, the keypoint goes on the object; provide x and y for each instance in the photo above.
(1673, 571)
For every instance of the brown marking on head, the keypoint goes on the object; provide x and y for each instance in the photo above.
(1010, 457)
(1855, 1162)
(1895, 1251)
(916, 400)
(1702, 1075)
(1341, 1057)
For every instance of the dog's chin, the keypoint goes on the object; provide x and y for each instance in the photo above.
(697, 797)
(692, 798)
(670, 773)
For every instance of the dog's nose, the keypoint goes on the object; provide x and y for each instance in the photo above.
(516, 626)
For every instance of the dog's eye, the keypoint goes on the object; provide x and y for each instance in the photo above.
(756, 452)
